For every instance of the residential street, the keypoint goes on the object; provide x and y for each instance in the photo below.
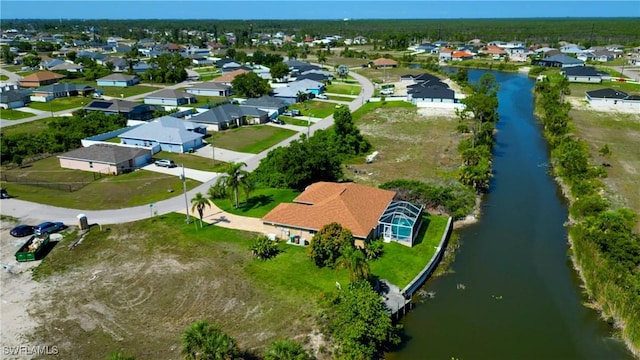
(29, 212)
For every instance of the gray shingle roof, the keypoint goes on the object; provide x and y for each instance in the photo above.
(607, 93)
(118, 77)
(113, 105)
(227, 113)
(167, 130)
(265, 102)
(169, 94)
(210, 86)
(64, 87)
(581, 71)
(563, 59)
(104, 153)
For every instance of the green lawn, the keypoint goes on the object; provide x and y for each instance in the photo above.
(3, 77)
(372, 106)
(192, 161)
(108, 192)
(60, 104)
(32, 127)
(261, 201)
(115, 91)
(11, 114)
(317, 109)
(298, 121)
(579, 89)
(413, 259)
(345, 89)
(250, 139)
(340, 98)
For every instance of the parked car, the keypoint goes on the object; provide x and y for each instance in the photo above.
(21, 230)
(277, 121)
(165, 163)
(48, 227)
(292, 113)
(4, 194)
(322, 96)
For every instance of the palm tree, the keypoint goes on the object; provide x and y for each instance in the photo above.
(199, 202)
(204, 341)
(233, 178)
(286, 350)
(355, 262)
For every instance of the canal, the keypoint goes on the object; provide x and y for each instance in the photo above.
(513, 293)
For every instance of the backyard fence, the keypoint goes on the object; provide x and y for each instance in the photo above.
(71, 186)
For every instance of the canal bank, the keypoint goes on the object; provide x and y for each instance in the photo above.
(514, 293)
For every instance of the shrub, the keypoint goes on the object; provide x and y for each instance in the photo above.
(264, 248)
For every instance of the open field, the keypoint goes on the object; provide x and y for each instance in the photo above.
(31, 127)
(410, 145)
(106, 192)
(298, 121)
(621, 133)
(317, 109)
(344, 89)
(60, 104)
(250, 139)
(11, 114)
(115, 91)
(580, 89)
(261, 201)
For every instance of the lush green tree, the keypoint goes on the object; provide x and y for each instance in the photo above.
(328, 243)
(264, 248)
(31, 60)
(205, 341)
(348, 138)
(169, 68)
(286, 350)
(250, 85)
(354, 261)
(199, 202)
(233, 178)
(301, 163)
(342, 71)
(373, 249)
(279, 70)
(360, 325)
(6, 54)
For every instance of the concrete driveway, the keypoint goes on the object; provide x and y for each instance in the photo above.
(199, 175)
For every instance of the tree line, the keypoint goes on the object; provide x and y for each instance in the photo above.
(605, 246)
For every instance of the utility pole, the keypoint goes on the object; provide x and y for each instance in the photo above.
(184, 189)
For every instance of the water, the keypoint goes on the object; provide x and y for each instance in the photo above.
(521, 296)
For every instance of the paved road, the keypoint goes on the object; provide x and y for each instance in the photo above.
(13, 77)
(33, 212)
(629, 71)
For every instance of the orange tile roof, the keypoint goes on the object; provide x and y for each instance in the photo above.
(42, 76)
(354, 206)
(461, 54)
(384, 61)
(495, 50)
(228, 77)
(446, 50)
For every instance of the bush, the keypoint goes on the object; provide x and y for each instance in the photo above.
(327, 244)
(264, 248)
(373, 249)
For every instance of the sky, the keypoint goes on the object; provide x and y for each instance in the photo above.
(311, 9)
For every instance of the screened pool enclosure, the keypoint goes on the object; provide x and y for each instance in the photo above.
(400, 222)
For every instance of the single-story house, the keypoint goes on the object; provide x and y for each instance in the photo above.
(120, 80)
(611, 97)
(142, 67)
(221, 117)
(50, 92)
(582, 74)
(445, 54)
(169, 97)
(559, 60)
(119, 64)
(271, 105)
(65, 66)
(209, 88)
(48, 64)
(227, 78)
(383, 63)
(166, 134)
(13, 99)
(420, 95)
(40, 78)
(299, 67)
(461, 55)
(368, 212)
(129, 109)
(424, 78)
(105, 158)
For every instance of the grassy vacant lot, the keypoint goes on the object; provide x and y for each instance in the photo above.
(115, 91)
(136, 287)
(410, 145)
(413, 259)
(317, 109)
(108, 192)
(3, 77)
(621, 133)
(580, 89)
(11, 114)
(345, 89)
(298, 121)
(250, 139)
(191, 161)
(387, 75)
(61, 103)
(261, 201)
(31, 127)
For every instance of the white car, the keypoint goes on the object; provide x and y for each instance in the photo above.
(165, 163)
(322, 96)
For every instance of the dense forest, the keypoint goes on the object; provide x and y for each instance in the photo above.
(389, 33)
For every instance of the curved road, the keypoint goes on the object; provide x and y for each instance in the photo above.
(33, 212)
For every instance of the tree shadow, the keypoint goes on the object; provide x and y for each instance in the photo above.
(255, 202)
(426, 220)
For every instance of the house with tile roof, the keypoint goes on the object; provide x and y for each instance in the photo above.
(106, 159)
(461, 55)
(384, 63)
(227, 78)
(210, 88)
(169, 97)
(119, 80)
(40, 78)
(368, 212)
(166, 134)
(221, 117)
